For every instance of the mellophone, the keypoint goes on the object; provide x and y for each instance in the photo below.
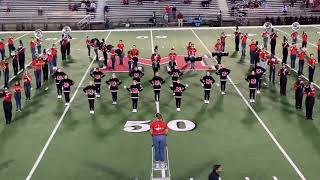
(220, 54)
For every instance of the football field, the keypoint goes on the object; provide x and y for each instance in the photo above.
(267, 140)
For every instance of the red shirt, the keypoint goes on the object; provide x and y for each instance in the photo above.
(244, 39)
(222, 39)
(265, 34)
(304, 37)
(312, 92)
(293, 51)
(158, 127)
(54, 51)
(32, 44)
(134, 52)
(301, 56)
(17, 88)
(172, 56)
(1, 45)
(272, 62)
(4, 64)
(192, 51)
(294, 35)
(253, 47)
(7, 97)
(218, 47)
(311, 61)
(10, 41)
(26, 79)
(120, 46)
(318, 46)
(37, 64)
(112, 52)
(262, 55)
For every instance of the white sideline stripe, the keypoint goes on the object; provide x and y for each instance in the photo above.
(152, 47)
(168, 163)
(158, 106)
(247, 178)
(36, 164)
(260, 120)
(19, 37)
(160, 29)
(275, 178)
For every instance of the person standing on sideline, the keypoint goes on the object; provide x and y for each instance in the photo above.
(312, 66)
(310, 92)
(283, 73)
(178, 89)
(90, 91)
(272, 62)
(66, 84)
(216, 171)
(299, 86)
(7, 105)
(293, 55)
(252, 80)
(17, 95)
(37, 66)
(304, 39)
(223, 73)
(21, 56)
(32, 45)
(159, 131)
(180, 19)
(273, 41)
(58, 76)
(26, 78)
(156, 83)
(237, 35)
(113, 84)
(38, 45)
(244, 38)
(134, 90)
(207, 81)
(97, 75)
(88, 43)
(265, 36)
(2, 49)
(302, 55)
(285, 46)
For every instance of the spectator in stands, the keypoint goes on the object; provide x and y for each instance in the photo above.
(174, 12)
(8, 9)
(167, 9)
(292, 3)
(180, 19)
(284, 9)
(153, 20)
(40, 11)
(93, 6)
(125, 2)
(139, 2)
(166, 19)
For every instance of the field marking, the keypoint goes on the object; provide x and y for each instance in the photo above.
(275, 178)
(152, 46)
(247, 178)
(36, 164)
(260, 120)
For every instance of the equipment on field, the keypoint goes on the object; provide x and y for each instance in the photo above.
(220, 54)
(267, 26)
(118, 52)
(165, 172)
(187, 59)
(38, 33)
(66, 30)
(295, 26)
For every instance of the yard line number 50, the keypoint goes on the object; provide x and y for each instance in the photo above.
(180, 125)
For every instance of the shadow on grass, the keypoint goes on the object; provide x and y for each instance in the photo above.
(109, 172)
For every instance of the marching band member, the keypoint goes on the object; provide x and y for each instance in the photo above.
(38, 45)
(263, 54)
(58, 76)
(88, 43)
(312, 66)
(272, 62)
(66, 84)
(121, 48)
(112, 54)
(129, 61)
(156, 82)
(97, 75)
(273, 42)
(172, 56)
(218, 47)
(223, 73)
(207, 81)
(294, 37)
(192, 55)
(178, 89)
(37, 66)
(134, 52)
(17, 95)
(302, 55)
(63, 48)
(2, 49)
(21, 56)
(285, 46)
(96, 50)
(136, 74)
(253, 48)
(15, 63)
(68, 44)
(310, 92)
(299, 86)
(32, 45)
(259, 71)
(252, 81)
(90, 91)
(54, 53)
(134, 90)
(293, 55)
(223, 40)
(283, 73)
(7, 105)
(113, 84)
(265, 36)
(237, 35)
(50, 61)
(10, 44)
(26, 78)
(104, 51)
(5, 69)
(45, 66)
(175, 74)
(244, 38)
(304, 39)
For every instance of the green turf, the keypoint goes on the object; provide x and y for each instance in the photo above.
(96, 147)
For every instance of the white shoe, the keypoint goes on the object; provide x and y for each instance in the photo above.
(258, 92)
(223, 93)
(134, 110)
(91, 112)
(98, 95)
(208, 101)
(205, 101)
(253, 100)
(113, 103)
(59, 96)
(162, 165)
(66, 104)
(157, 165)
(178, 109)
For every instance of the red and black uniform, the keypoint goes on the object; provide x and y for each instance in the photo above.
(45, 67)
(15, 64)
(312, 66)
(178, 89)
(310, 93)
(253, 49)
(192, 56)
(285, 47)
(218, 47)
(91, 93)
(272, 62)
(37, 66)
(88, 43)
(21, 57)
(134, 54)
(172, 62)
(223, 73)
(259, 73)
(302, 55)
(223, 41)
(207, 82)
(304, 40)
(156, 82)
(27, 86)
(5, 69)
(293, 56)
(96, 50)
(253, 83)
(175, 75)
(58, 76)
(283, 73)
(155, 66)
(121, 53)
(172, 56)
(237, 35)
(299, 86)
(7, 105)
(2, 50)
(129, 57)
(66, 86)
(135, 92)
(113, 86)
(97, 75)
(136, 75)
(104, 50)
(10, 45)
(63, 48)
(273, 42)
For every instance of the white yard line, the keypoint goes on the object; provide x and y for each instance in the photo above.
(285, 154)
(36, 164)
(275, 178)
(19, 37)
(152, 45)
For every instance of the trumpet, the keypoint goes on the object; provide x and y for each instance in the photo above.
(267, 26)
(295, 26)
(38, 33)
(66, 30)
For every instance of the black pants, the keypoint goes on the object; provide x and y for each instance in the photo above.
(252, 93)
(304, 44)
(207, 94)
(21, 62)
(309, 106)
(237, 41)
(98, 88)
(114, 96)
(45, 71)
(284, 55)
(59, 89)
(134, 103)
(15, 66)
(67, 96)
(63, 54)
(7, 108)
(68, 49)
(89, 50)
(219, 59)
(91, 104)
(300, 68)
(311, 73)
(97, 54)
(259, 81)
(299, 98)
(155, 70)
(178, 102)
(157, 95)
(223, 85)
(272, 74)
(283, 86)
(105, 56)
(273, 44)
